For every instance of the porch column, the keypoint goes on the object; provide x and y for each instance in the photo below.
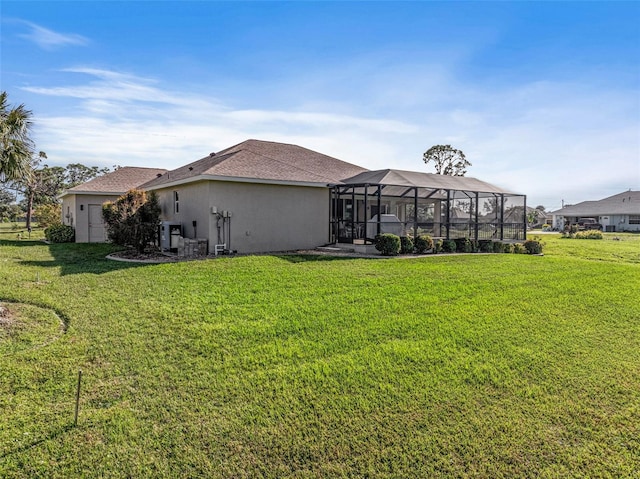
(524, 210)
(353, 212)
(448, 212)
(415, 212)
(379, 208)
(476, 222)
(366, 216)
(502, 217)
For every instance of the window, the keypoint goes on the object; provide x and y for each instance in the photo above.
(634, 219)
(176, 202)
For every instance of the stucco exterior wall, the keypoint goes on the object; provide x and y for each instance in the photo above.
(263, 217)
(272, 217)
(69, 210)
(78, 206)
(193, 201)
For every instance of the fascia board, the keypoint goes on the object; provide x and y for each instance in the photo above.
(235, 179)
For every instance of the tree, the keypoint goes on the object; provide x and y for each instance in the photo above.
(16, 146)
(77, 173)
(133, 219)
(447, 160)
(40, 187)
(48, 215)
(9, 210)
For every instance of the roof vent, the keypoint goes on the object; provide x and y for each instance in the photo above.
(191, 168)
(158, 175)
(213, 153)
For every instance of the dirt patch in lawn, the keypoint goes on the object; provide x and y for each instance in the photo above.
(6, 316)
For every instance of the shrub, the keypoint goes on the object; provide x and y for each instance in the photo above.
(133, 219)
(518, 248)
(406, 245)
(423, 244)
(60, 233)
(388, 244)
(570, 231)
(498, 247)
(48, 215)
(437, 246)
(485, 246)
(507, 248)
(533, 246)
(589, 234)
(449, 246)
(463, 245)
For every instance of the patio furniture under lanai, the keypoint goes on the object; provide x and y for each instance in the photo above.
(408, 202)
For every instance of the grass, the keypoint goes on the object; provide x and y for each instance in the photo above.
(303, 366)
(10, 231)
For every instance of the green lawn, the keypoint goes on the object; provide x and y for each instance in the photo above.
(302, 366)
(10, 231)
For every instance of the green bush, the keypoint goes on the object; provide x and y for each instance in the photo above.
(437, 246)
(485, 246)
(463, 245)
(423, 244)
(533, 247)
(507, 248)
(406, 245)
(133, 219)
(498, 247)
(449, 246)
(60, 234)
(518, 248)
(589, 234)
(388, 244)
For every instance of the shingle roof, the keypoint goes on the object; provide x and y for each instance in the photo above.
(625, 203)
(117, 182)
(407, 179)
(264, 160)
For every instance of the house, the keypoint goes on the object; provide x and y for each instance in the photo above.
(619, 212)
(260, 196)
(82, 204)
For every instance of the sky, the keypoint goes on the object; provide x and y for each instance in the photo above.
(542, 97)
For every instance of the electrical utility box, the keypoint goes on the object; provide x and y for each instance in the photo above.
(169, 234)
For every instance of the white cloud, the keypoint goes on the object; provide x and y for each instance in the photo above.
(551, 141)
(50, 40)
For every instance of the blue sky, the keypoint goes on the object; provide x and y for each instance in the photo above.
(543, 97)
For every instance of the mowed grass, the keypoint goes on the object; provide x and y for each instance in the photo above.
(308, 366)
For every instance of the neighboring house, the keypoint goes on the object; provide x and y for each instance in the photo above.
(261, 196)
(82, 204)
(619, 212)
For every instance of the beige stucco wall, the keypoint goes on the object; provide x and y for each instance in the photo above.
(78, 207)
(194, 206)
(263, 217)
(69, 210)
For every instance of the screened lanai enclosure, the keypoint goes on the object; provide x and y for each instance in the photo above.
(408, 203)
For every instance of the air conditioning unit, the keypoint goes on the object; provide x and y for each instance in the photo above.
(169, 234)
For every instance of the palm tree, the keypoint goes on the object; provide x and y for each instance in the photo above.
(16, 146)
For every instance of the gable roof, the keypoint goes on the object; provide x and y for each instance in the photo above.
(409, 179)
(625, 203)
(262, 161)
(117, 182)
